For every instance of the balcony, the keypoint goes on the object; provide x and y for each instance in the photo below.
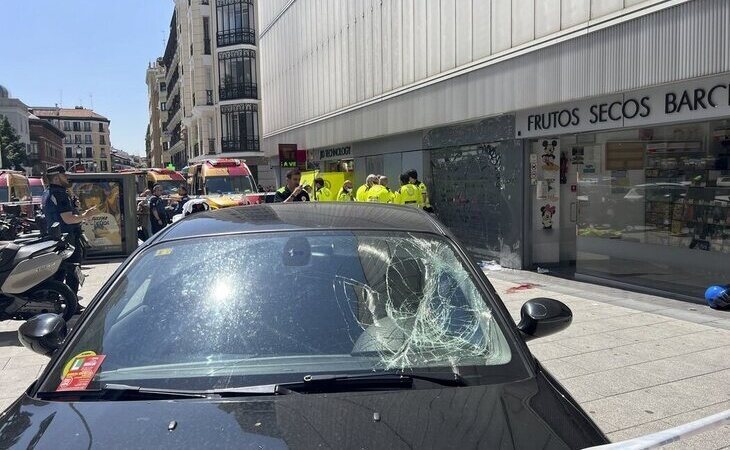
(236, 36)
(175, 135)
(237, 91)
(209, 97)
(174, 108)
(240, 145)
(173, 81)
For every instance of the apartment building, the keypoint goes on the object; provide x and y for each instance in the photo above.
(211, 76)
(46, 145)
(157, 141)
(87, 143)
(587, 137)
(17, 114)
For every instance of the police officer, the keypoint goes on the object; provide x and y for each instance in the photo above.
(58, 208)
(425, 201)
(292, 191)
(321, 192)
(408, 194)
(183, 193)
(158, 212)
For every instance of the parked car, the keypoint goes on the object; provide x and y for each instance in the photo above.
(328, 325)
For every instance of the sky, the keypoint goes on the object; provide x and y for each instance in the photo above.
(84, 50)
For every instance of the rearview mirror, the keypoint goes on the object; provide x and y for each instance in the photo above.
(43, 333)
(542, 317)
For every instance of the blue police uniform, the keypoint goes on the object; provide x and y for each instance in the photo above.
(55, 203)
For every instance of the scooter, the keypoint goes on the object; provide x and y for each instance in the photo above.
(27, 272)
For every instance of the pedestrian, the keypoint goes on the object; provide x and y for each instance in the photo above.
(345, 193)
(292, 191)
(183, 193)
(425, 201)
(408, 194)
(143, 215)
(321, 192)
(370, 181)
(259, 188)
(158, 212)
(58, 208)
(383, 181)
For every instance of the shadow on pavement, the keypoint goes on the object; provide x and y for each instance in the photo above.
(9, 339)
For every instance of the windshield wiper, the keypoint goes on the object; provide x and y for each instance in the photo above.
(345, 382)
(309, 384)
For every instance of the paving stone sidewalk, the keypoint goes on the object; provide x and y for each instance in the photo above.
(636, 363)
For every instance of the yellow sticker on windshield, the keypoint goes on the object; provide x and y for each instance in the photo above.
(163, 252)
(78, 359)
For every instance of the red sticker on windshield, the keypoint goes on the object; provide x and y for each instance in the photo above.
(81, 373)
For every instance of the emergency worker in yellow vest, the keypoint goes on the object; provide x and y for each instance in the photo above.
(321, 192)
(345, 193)
(425, 201)
(383, 181)
(377, 193)
(370, 181)
(408, 194)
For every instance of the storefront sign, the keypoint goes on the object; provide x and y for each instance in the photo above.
(331, 154)
(697, 99)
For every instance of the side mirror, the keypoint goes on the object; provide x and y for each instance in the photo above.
(542, 317)
(43, 334)
(55, 231)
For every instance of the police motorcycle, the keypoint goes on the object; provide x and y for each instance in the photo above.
(28, 272)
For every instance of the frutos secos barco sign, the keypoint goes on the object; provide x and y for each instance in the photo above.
(696, 99)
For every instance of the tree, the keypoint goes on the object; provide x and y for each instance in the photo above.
(12, 150)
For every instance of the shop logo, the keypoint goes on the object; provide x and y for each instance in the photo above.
(334, 152)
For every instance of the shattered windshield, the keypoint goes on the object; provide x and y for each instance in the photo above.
(270, 309)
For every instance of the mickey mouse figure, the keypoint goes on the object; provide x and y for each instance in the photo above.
(547, 211)
(548, 155)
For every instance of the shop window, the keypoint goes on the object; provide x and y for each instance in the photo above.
(653, 206)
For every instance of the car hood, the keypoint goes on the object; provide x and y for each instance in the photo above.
(526, 414)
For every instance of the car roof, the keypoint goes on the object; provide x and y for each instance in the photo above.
(302, 216)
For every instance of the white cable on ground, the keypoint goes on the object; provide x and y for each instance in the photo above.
(676, 434)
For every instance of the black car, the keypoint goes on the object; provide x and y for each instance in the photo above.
(298, 326)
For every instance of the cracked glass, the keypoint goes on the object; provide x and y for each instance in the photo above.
(241, 310)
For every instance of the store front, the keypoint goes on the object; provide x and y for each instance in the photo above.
(634, 188)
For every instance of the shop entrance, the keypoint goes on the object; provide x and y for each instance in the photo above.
(555, 198)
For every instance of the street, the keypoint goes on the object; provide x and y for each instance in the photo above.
(636, 363)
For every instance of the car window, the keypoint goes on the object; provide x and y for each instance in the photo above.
(239, 310)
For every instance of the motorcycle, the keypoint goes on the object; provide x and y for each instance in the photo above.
(28, 272)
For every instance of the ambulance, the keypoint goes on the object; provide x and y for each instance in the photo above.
(223, 183)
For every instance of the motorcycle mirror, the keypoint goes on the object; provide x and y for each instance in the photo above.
(43, 333)
(55, 231)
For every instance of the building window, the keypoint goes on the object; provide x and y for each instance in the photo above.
(101, 128)
(103, 166)
(77, 138)
(235, 22)
(33, 148)
(163, 106)
(66, 126)
(102, 140)
(88, 140)
(77, 126)
(206, 35)
(163, 87)
(87, 126)
(237, 69)
(89, 152)
(69, 152)
(68, 139)
(240, 128)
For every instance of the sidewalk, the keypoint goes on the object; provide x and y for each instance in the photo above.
(635, 362)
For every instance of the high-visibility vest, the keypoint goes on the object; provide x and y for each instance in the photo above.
(425, 201)
(323, 195)
(377, 194)
(409, 195)
(360, 195)
(344, 196)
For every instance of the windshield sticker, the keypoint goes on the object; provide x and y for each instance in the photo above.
(78, 359)
(163, 252)
(81, 372)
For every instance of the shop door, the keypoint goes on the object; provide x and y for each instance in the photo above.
(554, 186)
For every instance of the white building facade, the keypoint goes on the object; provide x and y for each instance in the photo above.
(580, 135)
(17, 113)
(212, 77)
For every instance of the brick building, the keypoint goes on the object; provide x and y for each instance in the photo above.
(46, 145)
